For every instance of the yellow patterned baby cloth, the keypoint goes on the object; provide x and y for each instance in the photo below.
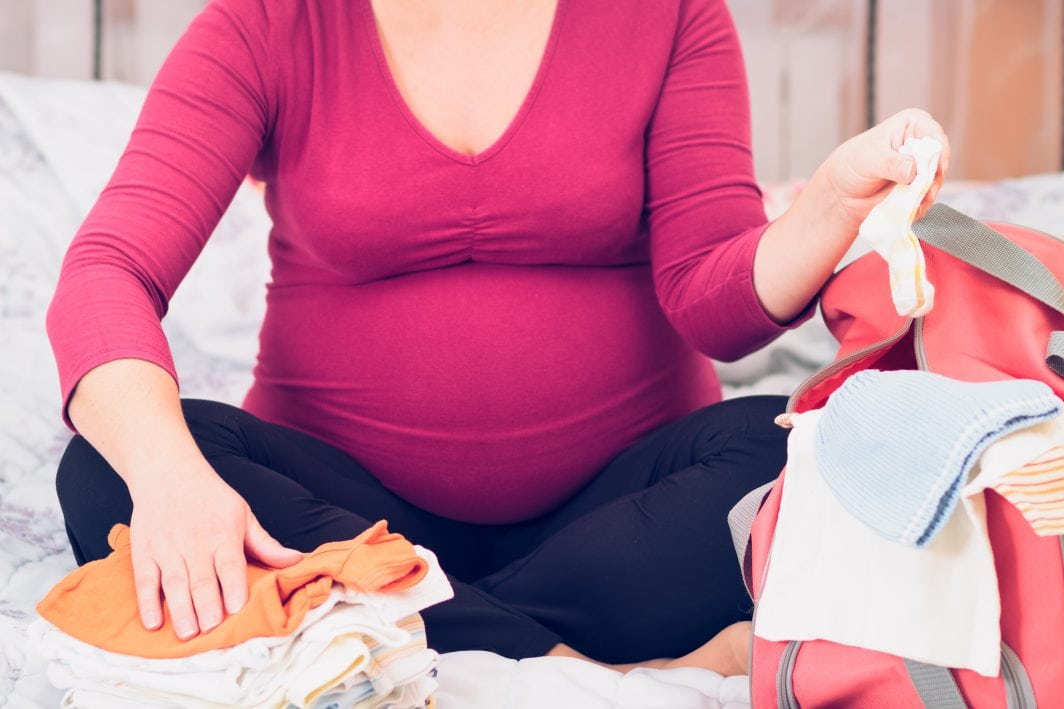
(888, 230)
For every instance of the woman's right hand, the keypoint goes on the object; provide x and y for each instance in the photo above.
(190, 536)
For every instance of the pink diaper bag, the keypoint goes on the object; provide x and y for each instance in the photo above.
(998, 314)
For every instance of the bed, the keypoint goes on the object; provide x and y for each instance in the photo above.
(58, 143)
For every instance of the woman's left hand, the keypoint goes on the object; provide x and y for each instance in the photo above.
(799, 251)
(861, 171)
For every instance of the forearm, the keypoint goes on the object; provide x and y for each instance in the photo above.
(799, 251)
(130, 411)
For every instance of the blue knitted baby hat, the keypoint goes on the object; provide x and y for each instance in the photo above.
(896, 447)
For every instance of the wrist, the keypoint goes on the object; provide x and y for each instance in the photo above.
(825, 209)
(166, 474)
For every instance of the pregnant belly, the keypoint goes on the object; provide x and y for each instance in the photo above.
(479, 392)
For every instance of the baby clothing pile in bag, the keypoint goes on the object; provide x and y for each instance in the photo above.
(881, 540)
(340, 628)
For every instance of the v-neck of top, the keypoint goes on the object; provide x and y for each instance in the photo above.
(373, 32)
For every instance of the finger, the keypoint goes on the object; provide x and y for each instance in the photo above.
(929, 197)
(924, 206)
(943, 160)
(910, 131)
(915, 123)
(911, 122)
(147, 581)
(206, 596)
(231, 567)
(929, 127)
(260, 545)
(178, 599)
(900, 168)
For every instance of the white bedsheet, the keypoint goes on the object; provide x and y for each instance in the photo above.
(58, 144)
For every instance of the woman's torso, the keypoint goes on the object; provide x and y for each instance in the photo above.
(480, 332)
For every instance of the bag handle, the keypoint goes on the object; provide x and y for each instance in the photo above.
(935, 685)
(994, 253)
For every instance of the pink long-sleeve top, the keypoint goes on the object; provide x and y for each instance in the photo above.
(482, 333)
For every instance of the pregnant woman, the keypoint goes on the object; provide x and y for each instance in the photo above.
(506, 235)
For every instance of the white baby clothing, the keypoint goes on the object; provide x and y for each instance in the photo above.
(350, 640)
(831, 577)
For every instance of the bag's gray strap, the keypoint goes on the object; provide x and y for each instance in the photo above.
(740, 520)
(991, 252)
(935, 685)
(1055, 353)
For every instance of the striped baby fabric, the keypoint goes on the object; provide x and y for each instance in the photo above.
(1037, 491)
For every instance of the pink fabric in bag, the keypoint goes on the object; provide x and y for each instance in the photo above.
(981, 329)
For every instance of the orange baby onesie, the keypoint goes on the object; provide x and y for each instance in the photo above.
(97, 603)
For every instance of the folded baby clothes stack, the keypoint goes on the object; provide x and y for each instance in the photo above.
(338, 629)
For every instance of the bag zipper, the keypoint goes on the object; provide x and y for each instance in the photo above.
(841, 364)
(785, 698)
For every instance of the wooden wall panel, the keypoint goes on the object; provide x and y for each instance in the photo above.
(806, 72)
(990, 70)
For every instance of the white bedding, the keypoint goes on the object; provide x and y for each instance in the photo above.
(58, 144)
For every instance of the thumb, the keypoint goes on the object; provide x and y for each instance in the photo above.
(900, 168)
(260, 545)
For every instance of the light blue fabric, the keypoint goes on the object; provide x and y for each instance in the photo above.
(896, 447)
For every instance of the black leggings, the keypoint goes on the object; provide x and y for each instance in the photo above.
(638, 564)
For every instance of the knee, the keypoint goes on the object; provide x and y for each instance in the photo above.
(750, 416)
(92, 498)
(742, 429)
(214, 426)
(205, 412)
(80, 469)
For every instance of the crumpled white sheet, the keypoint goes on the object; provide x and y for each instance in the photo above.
(483, 680)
